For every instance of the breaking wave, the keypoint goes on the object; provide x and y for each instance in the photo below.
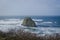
(8, 24)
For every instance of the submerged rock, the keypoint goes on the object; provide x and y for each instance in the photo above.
(28, 22)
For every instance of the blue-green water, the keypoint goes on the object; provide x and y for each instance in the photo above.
(42, 21)
(45, 24)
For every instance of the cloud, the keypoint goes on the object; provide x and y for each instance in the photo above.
(29, 7)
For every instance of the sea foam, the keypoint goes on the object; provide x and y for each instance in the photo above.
(8, 24)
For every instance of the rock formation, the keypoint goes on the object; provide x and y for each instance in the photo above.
(28, 22)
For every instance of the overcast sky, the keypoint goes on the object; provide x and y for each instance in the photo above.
(29, 7)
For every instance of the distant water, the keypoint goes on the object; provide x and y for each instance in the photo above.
(45, 24)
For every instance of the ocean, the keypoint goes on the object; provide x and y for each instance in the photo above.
(45, 24)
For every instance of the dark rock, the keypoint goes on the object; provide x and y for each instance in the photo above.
(28, 22)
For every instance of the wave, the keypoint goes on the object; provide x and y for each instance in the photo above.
(37, 20)
(47, 22)
(42, 30)
(8, 24)
(10, 21)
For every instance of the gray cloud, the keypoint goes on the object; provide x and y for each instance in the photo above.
(29, 7)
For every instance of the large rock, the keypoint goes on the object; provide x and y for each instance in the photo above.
(28, 22)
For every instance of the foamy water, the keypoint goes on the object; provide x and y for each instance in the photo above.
(8, 24)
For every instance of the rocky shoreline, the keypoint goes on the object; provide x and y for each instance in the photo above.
(21, 35)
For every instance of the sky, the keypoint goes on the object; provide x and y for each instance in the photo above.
(29, 7)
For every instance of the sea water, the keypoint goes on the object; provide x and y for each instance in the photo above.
(45, 24)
